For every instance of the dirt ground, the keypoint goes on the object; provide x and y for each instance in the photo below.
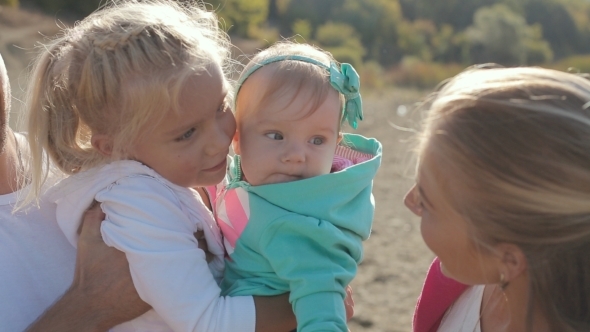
(396, 259)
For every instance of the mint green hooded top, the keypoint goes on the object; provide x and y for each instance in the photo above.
(304, 237)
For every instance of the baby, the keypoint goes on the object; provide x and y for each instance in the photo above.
(297, 202)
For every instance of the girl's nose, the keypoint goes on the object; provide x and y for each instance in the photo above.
(219, 141)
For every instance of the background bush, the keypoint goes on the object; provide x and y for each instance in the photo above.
(415, 41)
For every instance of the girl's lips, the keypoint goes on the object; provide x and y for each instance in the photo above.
(217, 167)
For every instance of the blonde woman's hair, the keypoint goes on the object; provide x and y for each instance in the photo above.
(291, 77)
(518, 140)
(5, 99)
(117, 73)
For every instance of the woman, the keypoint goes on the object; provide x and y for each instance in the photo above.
(503, 193)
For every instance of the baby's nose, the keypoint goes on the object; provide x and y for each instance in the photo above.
(294, 154)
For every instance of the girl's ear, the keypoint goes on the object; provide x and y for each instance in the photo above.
(235, 143)
(102, 143)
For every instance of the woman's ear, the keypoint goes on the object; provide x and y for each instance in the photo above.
(512, 259)
(102, 143)
(235, 143)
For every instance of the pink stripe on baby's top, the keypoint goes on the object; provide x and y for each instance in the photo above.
(346, 157)
(233, 214)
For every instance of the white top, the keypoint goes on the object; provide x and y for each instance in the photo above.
(36, 260)
(153, 220)
(464, 314)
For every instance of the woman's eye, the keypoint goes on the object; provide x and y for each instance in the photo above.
(275, 136)
(420, 203)
(186, 135)
(317, 141)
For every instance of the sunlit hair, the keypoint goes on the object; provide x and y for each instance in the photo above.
(295, 79)
(5, 99)
(117, 73)
(518, 141)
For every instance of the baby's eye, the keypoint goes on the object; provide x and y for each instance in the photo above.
(317, 141)
(275, 136)
(186, 135)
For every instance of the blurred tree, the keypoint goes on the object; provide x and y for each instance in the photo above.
(9, 3)
(499, 35)
(559, 28)
(457, 13)
(314, 11)
(414, 38)
(67, 7)
(242, 17)
(342, 41)
(376, 21)
(302, 28)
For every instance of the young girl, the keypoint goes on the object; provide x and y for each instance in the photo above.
(297, 204)
(133, 104)
(503, 193)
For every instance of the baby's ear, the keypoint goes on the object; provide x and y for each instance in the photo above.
(340, 137)
(235, 143)
(103, 143)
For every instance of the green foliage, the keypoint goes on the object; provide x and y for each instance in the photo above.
(576, 64)
(377, 22)
(408, 35)
(70, 7)
(342, 41)
(422, 74)
(414, 38)
(502, 36)
(559, 27)
(242, 17)
(302, 28)
(457, 13)
(9, 3)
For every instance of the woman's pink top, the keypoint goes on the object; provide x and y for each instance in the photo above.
(438, 294)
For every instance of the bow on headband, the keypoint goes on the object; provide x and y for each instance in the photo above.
(343, 78)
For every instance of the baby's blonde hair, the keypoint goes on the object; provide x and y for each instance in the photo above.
(117, 73)
(518, 141)
(292, 76)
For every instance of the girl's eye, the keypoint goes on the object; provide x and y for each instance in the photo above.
(186, 135)
(275, 136)
(317, 141)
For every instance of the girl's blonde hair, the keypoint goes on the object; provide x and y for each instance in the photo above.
(117, 73)
(291, 77)
(518, 140)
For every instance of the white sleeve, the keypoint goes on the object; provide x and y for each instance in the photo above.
(144, 219)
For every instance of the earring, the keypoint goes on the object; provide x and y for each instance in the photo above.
(503, 282)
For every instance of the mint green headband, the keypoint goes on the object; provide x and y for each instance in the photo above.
(343, 78)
